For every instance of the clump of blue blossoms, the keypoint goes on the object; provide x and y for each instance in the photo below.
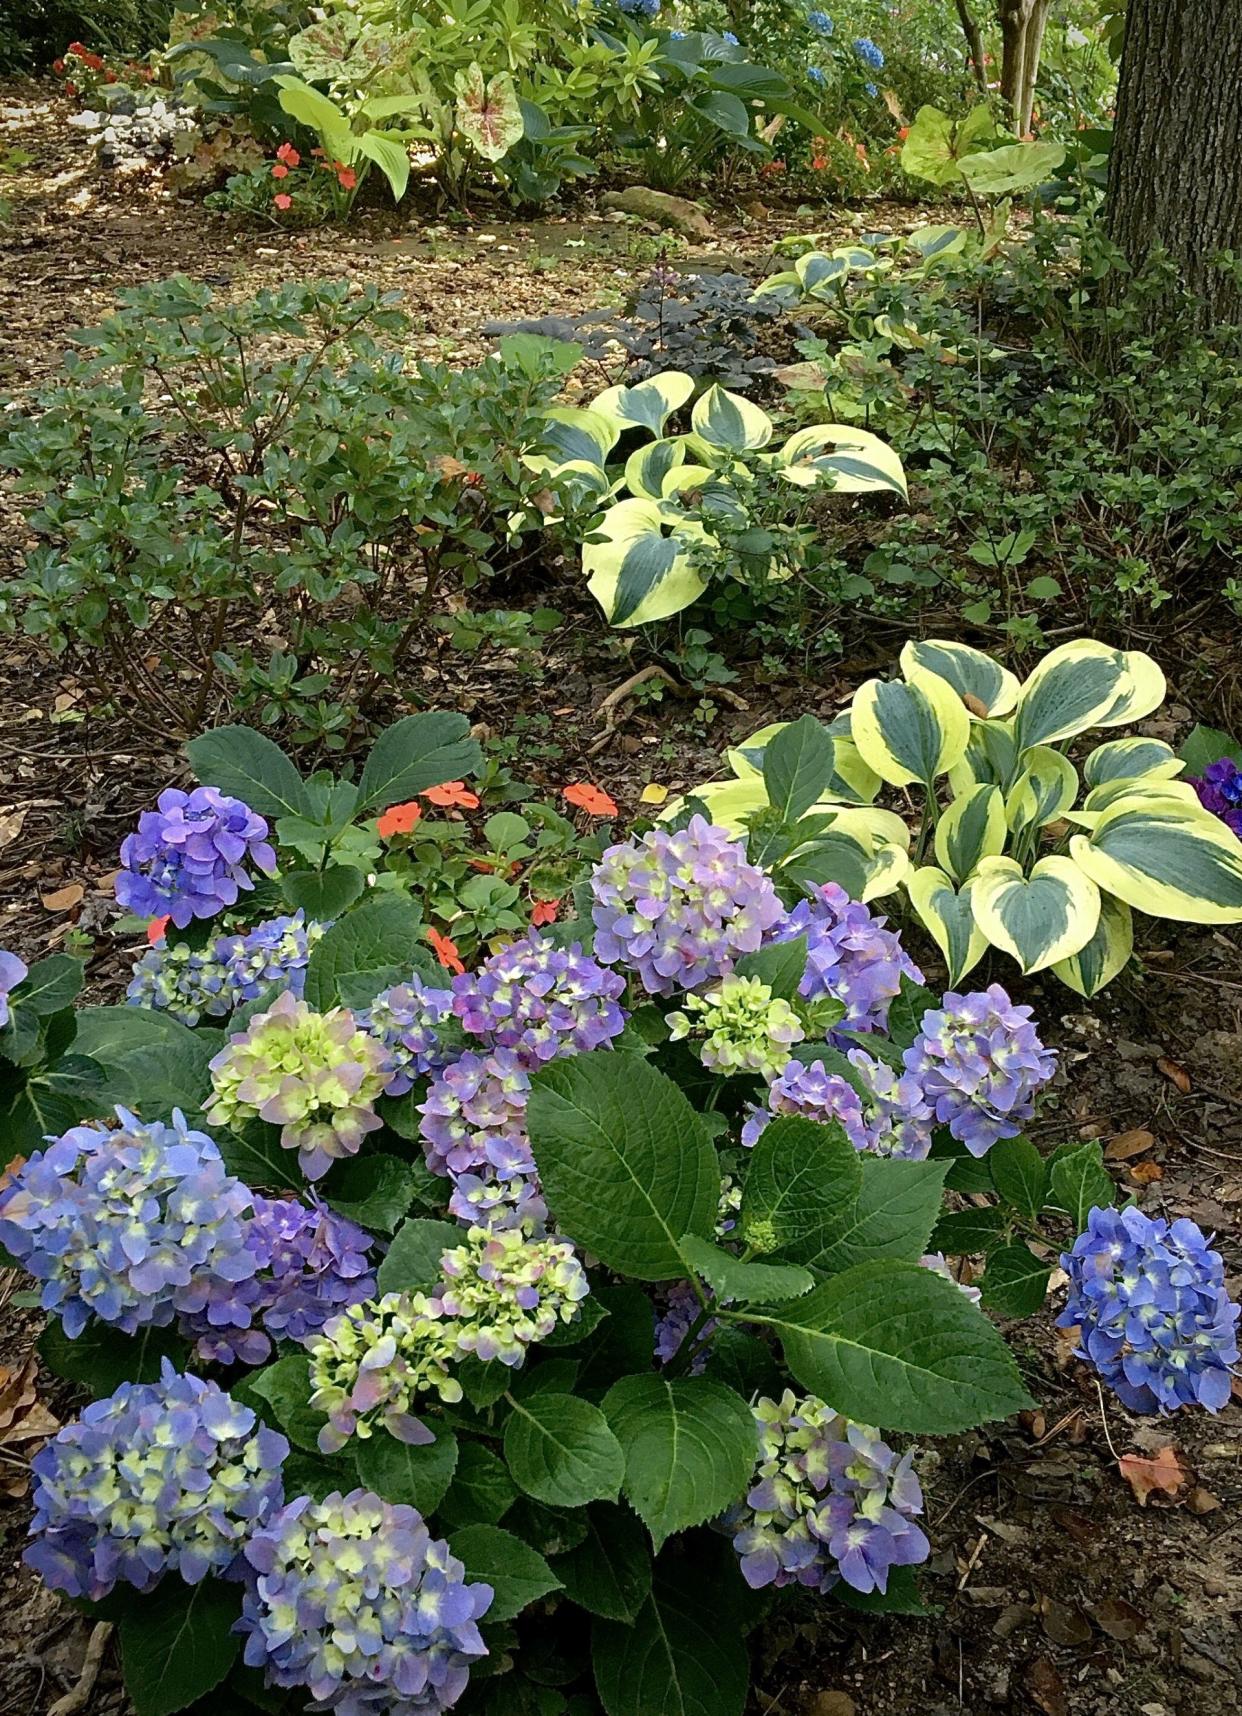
(352, 1599)
(498, 1201)
(821, 23)
(679, 908)
(505, 1290)
(831, 1500)
(128, 1225)
(678, 1314)
(851, 957)
(211, 982)
(892, 1119)
(167, 1477)
(639, 8)
(408, 1020)
(541, 1001)
(309, 1263)
(1219, 790)
(188, 858)
(980, 1063)
(12, 972)
(817, 75)
(868, 53)
(1148, 1300)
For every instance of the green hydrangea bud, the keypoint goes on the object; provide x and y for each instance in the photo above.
(744, 1026)
(506, 1290)
(371, 1365)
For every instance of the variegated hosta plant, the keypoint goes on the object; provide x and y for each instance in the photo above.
(694, 503)
(1019, 847)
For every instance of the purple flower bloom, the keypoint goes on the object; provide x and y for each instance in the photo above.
(1220, 791)
(188, 858)
(353, 1600)
(474, 1117)
(868, 53)
(406, 1020)
(541, 1001)
(129, 1225)
(892, 1119)
(371, 1365)
(980, 1063)
(679, 908)
(504, 1289)
(1148, 1300)
(160, 1477)
(12, 972)
(851, 957)
(678, 1312)
(231, 970)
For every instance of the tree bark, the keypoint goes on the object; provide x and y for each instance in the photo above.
(974, 44)
(1022, 23)
(1175, 169)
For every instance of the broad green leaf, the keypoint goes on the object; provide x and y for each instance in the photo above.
(801, 1176)
(560, 1449)
(727, 421)
(972, 828)
(178, 1644)
(1015, 1282)
(323, 894)
(895, 1345)
(152, 1062)
(1015, 167)
(312, 108)
(1020, 1175)
(626, 1164)
(681, 1656)
(481, 1490)
(284, 1388)
(690, 1447)
(640, 570)
(488, 114)
(935, 144)
(418, 752)
(1080, 1183)
(50, 985)
(621, 1344)
(400, 1473)
(963, 1233)
(245, 765)
(909, 731)
(892, 1216)
(948, 916)
(1107, 953)
(101, 1357)
(375, 1191)
(609, 1573)
(1203, 746)
(413, 1258)
(648, 404)
(1166, 858)
(900, 1597)
(391, 157)
(797, 767)
(518, 1575)
(1041, 918)
(379, 937)
(257, 1157)
(987, 688)
(781, 965)
(728, 1276)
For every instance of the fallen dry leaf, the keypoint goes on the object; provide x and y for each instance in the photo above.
(833, 1704)
(1063, 1623)
(1046, 1687)
(1119, 1619)
(1164, 1474)
(1076, 1525)
(11, 824)
(1146, 1173)
(23, 1419)
(1129, 1144)
(1202, 1501)
(653, 793)
(1175, 1074)
(64, 899)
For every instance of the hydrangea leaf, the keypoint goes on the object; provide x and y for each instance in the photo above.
(560, 1449)
(396, 1472)
(727, 1275)
(151, 1061)
(798, 765)
(1080, 1182)
(681, 1655)
(1015, 1282)
(896, 1346)
(244, 764)
(377, 937)
(892, 1216)
(609, 1572)
(418, 752)
(517, 1574)
(690, 1446)
(375, 1191)
(1019, 1174)
(101, 1358)
(413, 1259)
(482, 1489)
(177, 1644)
(801, 1175)
(901, 1597)
(625, 1162)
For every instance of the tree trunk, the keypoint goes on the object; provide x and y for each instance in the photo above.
(1022, 23)
(974, 44)
(1175, 170)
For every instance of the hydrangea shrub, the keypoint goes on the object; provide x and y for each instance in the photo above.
(416, 1306)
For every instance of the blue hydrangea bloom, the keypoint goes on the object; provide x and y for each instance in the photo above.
(1148, 1300)
(678, 908)
(821, 23)
(851, 957)
(128, 1225)
(868, 53)
(892, 1119)
(980, 1063)
(871, 89)
(728, 36)
(639, 8)
(12, 972)
(407, 1020)
(354, 1601)
(831, 1501)
(677, 1314)
(817, 75)
(188, 857)
(541, 1000)
(161, 1477)
(231, 970)
(1220, 791)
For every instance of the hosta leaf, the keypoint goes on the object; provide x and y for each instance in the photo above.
(648, 404)
(1085, 684)
(972, 828)
(1165, 857)
(640, 570)
(909, 730)
(987, 688)
(948, 916)
(1036, 919)
(727, 421)
(850, 461)
(1105, 955)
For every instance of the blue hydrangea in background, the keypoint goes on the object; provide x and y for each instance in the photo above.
(1148, 1300)
(892, 1118)
(12, 972)
(211, 982)
(980, 1063)
(868, 53)
(872, 89)
(851, 957)
(639, 8)
(352, 1599)
(821, 23)
(677, 1314)
(817, 75)
(188, 858)
(167, 1477)
(541, 1001)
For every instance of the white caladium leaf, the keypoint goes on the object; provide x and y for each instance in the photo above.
(322, 52)
(489, 115)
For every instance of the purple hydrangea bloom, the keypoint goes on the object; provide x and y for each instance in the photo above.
(406, 1020)
(128, 1225)
(310, 1262)
(830, 1501)
(678, 1312)
(851, 957)
(893, 1119)
(474, 1117)
(980, 1063)
(353, 1600)
(160, 1477)
(493, 1201)
(541, 1001)
(12, 972)
(1220, 791)
(188, 857)
(679, 908)
(231, 970)
(502, 1289)
(1148, 1300)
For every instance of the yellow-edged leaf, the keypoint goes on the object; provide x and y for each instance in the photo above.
(1038, 918)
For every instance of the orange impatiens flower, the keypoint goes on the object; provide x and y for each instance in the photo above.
(446, 952)
(589, 798)
(283, 201)
(156, 929)
(544, 912)
(289, 155)
(398, 819)
(452, 793)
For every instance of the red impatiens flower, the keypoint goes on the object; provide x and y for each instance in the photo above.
(283, 202)
(289, 155)
(452, 794)
(280, 171)
(399, 819)
(544, 912)
(446, 952)
(156, 929)
(71, 88)
(346, 178)
(589, 798)
(58, 66)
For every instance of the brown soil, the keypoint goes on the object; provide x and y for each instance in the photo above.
(1054, 1591)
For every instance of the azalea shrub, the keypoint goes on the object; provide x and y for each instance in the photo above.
(435, 1323)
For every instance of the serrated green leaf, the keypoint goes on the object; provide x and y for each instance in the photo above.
(609, 1573)
(962, 1233)
(413, 1259)
(50, 984)
(797, 767)
(1015, 1282)
(245, 765)
(481, 1490)
(323, 894)
(800, 1176)
(101, 1358)
(177, 1644)
(398, 1472)
(517, 1574)
(285, 1389)
(377, 937)
(781, 966)
(152, 1062)
(676, 1657)
(1019, 1174)
(768, 1283)
(1080, 1183)
(901, 1597)
(418, 752)
(560, 1449)
(892, 1217)
(375, 1191)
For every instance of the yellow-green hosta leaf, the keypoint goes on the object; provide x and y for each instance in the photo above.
(728, 803)
(988, 689)
(703, 494)
(852, 859)
(641, 572)
(1146, 786)
(1107, 953)
(990, 758)
(972, 828)
(1127, 759)
(947, 913)
(852, 461)
(728, 422)
(648, 404)
(1144, 690)
(1086, 684)
(871, 825)
(579, 481)
(909, 730)
(887, 869)
(1037, 919)
(1165, 857)
(578, 433)
(819, 276)
(859, 260)
(1045, 790)
(647, 469)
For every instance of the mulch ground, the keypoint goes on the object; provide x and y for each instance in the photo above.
(1053, 1590)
